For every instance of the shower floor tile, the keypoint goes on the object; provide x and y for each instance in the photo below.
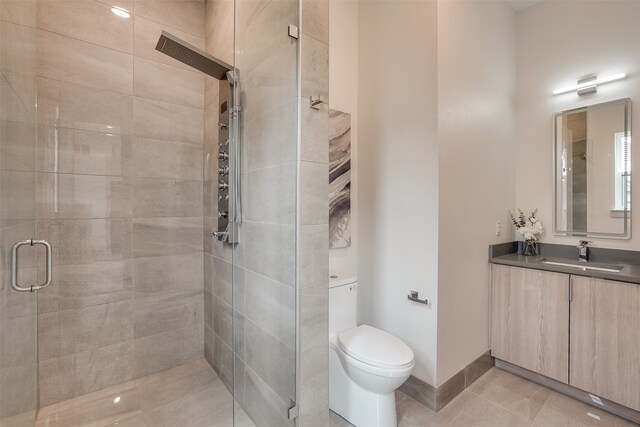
(189, 395)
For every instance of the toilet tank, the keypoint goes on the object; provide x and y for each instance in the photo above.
(343, 298)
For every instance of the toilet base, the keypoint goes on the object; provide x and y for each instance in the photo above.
(361, 407)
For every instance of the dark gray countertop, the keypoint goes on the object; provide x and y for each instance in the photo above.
(507, 254)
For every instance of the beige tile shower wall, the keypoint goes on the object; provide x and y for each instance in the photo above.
(18, 369)
(218, 325)
(313, 217)
(120, 137)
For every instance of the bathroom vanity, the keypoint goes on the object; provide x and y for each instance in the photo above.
(576, 323)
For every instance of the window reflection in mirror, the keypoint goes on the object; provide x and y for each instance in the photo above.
(593, 171)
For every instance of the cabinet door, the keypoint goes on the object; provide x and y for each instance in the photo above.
(605, 339)
(530, 319)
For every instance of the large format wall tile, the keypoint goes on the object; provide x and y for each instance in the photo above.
(313, 256)
(77, 286)
(154, 353)
(18, 49)
(154, 158)
(272, 83)
(63, 196)
(271, 360)
(21, 12)
(185, 15)
(79, 107)
(166, 236)
(82, 152)
(71, 60)
(81, 373)
(87, 241)
(265, 36)
(314, 318)
(19, 382)
(223, 321)
(314, 178)
(88, 20)
(162, 82)
(223, 360)
(14, 206)
(220, 29)
(161, 120)
(158, 275)
(272, 306)
(74, 331)
(270, 138)
(271, 195)
(18, 146)
(263, 405)
(314, 130)
(315, 19)
(167, 312)
(17, 94)
(271, 250)
(166, 198)
(315, 68)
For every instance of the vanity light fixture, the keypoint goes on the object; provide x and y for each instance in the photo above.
(123, 13)
(590, 85)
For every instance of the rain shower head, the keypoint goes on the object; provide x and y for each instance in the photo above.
(192, 56)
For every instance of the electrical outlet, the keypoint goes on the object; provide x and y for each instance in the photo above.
(498, 230)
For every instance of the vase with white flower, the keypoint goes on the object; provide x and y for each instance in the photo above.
(530, 228)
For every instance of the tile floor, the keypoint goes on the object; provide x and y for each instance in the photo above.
(189, 395)
(192, 395)
(500, 399)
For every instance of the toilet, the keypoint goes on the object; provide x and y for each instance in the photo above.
(366, 364)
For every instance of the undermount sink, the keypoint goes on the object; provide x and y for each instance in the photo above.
(584, 266)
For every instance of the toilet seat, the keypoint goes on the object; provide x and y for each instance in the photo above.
(375, 348)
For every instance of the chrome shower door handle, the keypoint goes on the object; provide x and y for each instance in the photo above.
(49, 264)
(14, 265)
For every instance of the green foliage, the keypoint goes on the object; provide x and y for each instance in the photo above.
(521, 220)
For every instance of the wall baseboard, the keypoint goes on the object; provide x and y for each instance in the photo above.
(573, 392)
(437, 398)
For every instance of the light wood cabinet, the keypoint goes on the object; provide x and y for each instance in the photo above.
(530, 319)
(605, 339)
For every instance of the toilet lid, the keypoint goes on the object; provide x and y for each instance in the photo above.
(375, 347)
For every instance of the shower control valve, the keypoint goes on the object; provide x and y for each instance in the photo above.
(223, 186)
(223, 214)
(224, 170)
(223, 126)
(223, 156)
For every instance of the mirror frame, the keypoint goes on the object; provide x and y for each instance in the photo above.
(627, 215)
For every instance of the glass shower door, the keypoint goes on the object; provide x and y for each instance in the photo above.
(18, 310)
(264, 260)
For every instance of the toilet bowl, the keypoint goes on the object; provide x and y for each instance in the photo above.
(366, 364)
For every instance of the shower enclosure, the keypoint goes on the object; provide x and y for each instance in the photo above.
(162, 223)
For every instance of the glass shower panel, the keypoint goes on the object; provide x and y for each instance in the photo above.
(264, 274)
(18, 310)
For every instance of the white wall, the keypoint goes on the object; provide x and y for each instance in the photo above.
(557, 43)
(343, 90)
(476, 130)
(398, 172)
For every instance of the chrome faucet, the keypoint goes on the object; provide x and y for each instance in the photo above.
(583, 250)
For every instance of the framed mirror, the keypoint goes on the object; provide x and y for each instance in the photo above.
(592, 171)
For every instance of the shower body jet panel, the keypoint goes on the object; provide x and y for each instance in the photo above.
(228, 142)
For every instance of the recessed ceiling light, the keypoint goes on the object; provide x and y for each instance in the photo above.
(123, 13)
